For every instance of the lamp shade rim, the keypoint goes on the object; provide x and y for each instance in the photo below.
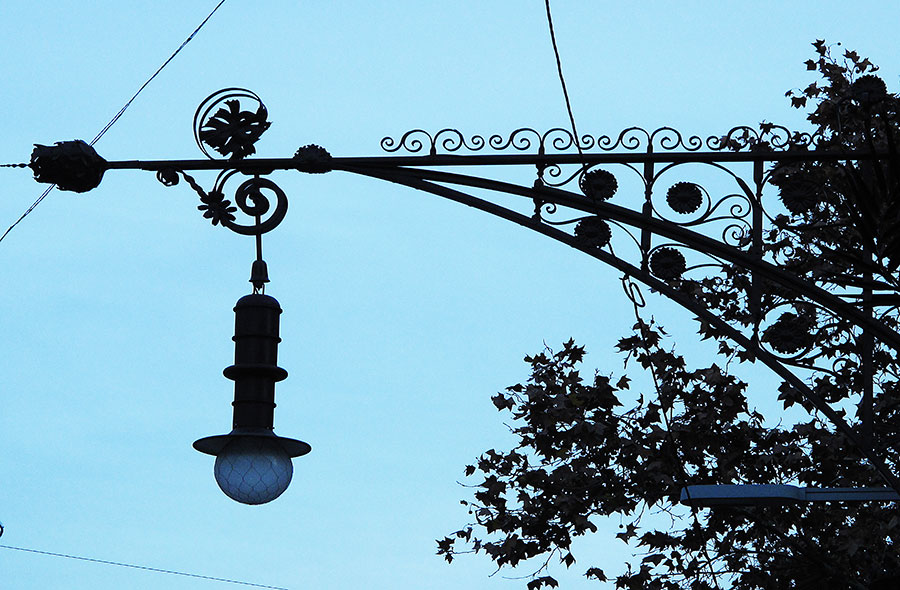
(213, 445)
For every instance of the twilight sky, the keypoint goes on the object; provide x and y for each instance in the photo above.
(403, 313)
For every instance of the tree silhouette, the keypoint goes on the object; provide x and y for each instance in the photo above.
(587, 447)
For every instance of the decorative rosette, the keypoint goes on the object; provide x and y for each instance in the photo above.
(599, 185)
(800, 196)
(217, 208)
(593, 231)
(313, 159)
(684, 197)
(868, 90)
(789, 334)
(667, 264)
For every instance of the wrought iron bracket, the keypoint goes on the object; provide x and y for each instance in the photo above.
(661, 237)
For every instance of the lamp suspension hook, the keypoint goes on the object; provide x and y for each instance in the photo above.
(259, 274)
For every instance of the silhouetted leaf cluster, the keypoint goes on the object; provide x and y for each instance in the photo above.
(588, 447)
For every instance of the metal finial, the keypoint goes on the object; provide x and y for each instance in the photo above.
(259, 276)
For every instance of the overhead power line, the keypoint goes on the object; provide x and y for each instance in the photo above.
(562, 80)
(140, 567)
(630, 287)
(116, 116)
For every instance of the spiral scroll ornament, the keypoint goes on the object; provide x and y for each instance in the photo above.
(805, 334)
(768, 136)
(254, 197)
(417, 140)
(230, 122)
(250, 198)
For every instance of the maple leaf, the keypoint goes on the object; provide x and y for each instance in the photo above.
(596, 573)
(819, 44)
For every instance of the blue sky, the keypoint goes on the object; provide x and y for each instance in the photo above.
(403, 313)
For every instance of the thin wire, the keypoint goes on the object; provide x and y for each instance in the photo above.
(119, 114)
(141, 567)
(29, 210)
(150, 79)
(562, 79)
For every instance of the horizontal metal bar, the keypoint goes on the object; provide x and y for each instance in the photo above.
(702, 496)
(851, 495)
(269, 164)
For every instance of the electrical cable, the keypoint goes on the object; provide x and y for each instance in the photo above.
(150, 79)
(141, 567)
(116, 117)
(29, 210)
(562, 79)
(631, 288)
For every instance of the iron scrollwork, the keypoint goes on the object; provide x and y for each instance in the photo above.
(735, 218)
(250, 199)
(685, 237)
(230, 122)
(524, 139)
(221, 124)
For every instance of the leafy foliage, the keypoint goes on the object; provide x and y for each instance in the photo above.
(589, 448)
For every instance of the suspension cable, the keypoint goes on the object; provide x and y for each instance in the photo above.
(140, 567)
(114, 119)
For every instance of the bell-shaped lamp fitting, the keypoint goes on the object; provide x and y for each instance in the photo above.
(253, 465)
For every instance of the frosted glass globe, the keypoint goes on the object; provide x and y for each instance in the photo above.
(253, 469)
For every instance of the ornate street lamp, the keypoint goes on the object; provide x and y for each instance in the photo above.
(253, 465)
(675, 229)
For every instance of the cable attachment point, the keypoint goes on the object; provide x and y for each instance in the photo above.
(259, 276)
(70, 165)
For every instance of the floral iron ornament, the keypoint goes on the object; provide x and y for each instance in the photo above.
(228, 122)
(220, 123)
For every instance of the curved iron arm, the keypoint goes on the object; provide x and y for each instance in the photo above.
(645, 277)
(658, 226)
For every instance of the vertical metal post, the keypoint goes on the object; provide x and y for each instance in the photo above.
(647, 209)
(867, 350)
(756, 250)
